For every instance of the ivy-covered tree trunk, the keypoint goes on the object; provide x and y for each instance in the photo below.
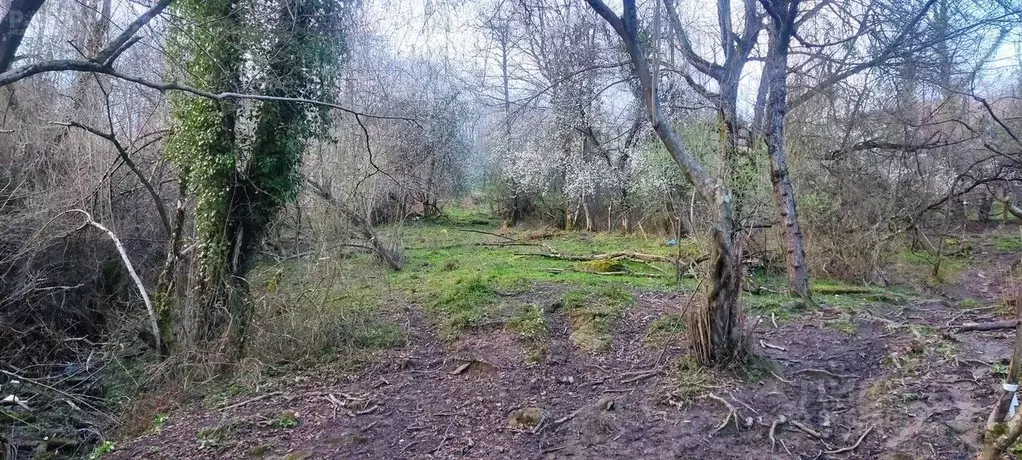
(204, 148)
(240, 179)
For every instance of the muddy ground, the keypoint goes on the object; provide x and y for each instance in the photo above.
(889, 381)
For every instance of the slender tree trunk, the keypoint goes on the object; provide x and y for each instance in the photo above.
(12, 29)
(716, 325)
(775, 71)
(986, 203)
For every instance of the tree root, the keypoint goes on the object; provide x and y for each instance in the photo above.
(731, 414)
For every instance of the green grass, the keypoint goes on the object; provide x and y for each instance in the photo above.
(530, 325)
(1008, 244)
(826, 292)
(666, 329)
(921, 262)
(460, 275)
(593, 312)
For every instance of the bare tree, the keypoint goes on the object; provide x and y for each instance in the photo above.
(716, 326)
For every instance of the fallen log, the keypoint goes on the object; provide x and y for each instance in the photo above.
(994, 326)
(608, 256)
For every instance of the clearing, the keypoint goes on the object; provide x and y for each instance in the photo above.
(503, 353)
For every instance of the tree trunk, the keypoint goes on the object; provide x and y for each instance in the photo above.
(999, 435)
(986, 202)
(716, 325)
(12, 29)
(781, 25)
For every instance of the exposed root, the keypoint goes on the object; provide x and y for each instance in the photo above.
(731, 414)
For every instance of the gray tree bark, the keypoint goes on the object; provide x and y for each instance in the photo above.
(716, 326)
(782, 23)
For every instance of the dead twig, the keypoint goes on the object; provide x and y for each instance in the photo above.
(806, 428)
(853, 446)
(765, 344)
(773, 430)
(827, 373)
(368, 411)
(251, 400)
(642, 376)
(567, 417)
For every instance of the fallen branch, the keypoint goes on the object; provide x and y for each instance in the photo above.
(994, 326)
(827, 373)
(462, 368)
(766, 344)
(251, 400)
(853, 446)
(608, 256)
(773, 429)
(807, 429)
(153, 323)
(642, 376)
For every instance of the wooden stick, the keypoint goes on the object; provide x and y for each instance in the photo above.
(994, 326)
(853, 446)
(773, 429)
(251, 400)
(807, 429)
(640, 377)
(153, 323)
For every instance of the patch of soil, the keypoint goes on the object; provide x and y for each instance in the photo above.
(887, 383)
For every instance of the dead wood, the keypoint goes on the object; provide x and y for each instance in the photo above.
(641, 376)
(618, 255)
(853, 446)
(773, 430)
(251, 400)
(827, 373)
(807, 429)
(993, 326)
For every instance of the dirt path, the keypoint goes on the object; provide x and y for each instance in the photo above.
(889, 376)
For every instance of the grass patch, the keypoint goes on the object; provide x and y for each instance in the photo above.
(458, 268)
(844, 325)
(308, 312)
(531, 327)
(1008, 244)
(691, 380)
(593, 313)
(772, 302)
(666, 329)
(921, 263)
